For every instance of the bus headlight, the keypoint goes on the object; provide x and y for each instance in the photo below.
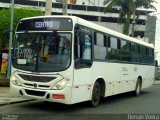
(61, 84)
(15, 81)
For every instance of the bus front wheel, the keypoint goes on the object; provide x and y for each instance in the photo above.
(138, 87)
(96, 94)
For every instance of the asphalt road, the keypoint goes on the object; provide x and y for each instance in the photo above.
(118, 106)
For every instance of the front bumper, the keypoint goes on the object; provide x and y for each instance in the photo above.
(46, 95)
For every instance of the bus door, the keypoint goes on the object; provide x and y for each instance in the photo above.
(83, 66)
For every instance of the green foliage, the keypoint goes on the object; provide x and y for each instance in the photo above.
(126, 8)
(19, 13)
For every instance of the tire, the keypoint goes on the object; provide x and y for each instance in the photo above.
(96, 95)
(138, 88)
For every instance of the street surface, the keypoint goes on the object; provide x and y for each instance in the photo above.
(147, 103)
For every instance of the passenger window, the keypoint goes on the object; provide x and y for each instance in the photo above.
(83, 46)
(100, 51)
(86, 47)
(134, 52)
(113, 50)
(114, 42)
(125, 51)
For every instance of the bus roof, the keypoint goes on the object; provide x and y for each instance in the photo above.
(97, 27)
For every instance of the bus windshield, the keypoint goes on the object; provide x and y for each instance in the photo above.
(42, 51)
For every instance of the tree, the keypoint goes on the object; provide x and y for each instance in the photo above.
(126, 10)
(19, 13)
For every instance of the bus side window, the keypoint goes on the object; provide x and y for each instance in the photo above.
(100, 51)
(86, 47)
(113, 50)
(83, 48)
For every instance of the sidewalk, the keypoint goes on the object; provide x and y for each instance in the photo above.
(6, 99)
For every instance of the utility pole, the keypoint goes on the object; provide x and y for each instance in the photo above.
(65, 7)
(134, 16)
(10, 40)
(48, 8)
(99, 17)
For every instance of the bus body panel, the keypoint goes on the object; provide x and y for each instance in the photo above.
(82, 85)
(119, 79)
(110, 72)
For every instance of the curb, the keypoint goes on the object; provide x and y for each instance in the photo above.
(156, 84)
(14, 102)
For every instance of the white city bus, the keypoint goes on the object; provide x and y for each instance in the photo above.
(66, 59)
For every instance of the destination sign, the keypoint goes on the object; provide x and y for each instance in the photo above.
(39, 24)
(44, 24)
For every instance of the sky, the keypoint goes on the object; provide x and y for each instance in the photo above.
(157, 13)
(157, 4)
(158, 8)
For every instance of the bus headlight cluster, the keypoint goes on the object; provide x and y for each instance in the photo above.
(15, 81)
(61, 84)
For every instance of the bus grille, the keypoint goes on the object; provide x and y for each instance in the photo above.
(36, 78)
(35, 93)
(32, 85)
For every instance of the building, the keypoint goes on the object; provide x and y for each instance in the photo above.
(93, 10)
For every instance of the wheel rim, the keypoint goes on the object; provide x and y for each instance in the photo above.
(138, 88)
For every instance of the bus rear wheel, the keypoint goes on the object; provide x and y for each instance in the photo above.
(96, 95)
(138, 87)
